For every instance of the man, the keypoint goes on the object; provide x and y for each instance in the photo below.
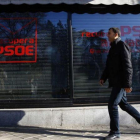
(119, 73)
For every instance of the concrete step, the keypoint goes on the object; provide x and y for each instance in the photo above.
(64, 117)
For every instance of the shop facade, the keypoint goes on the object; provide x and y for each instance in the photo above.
(52, 53)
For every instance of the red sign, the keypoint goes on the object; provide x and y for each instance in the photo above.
(25, 48)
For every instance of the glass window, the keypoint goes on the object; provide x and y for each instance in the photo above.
(91, 47)
(34, 55)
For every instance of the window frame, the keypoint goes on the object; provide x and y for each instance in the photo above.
(65, 102)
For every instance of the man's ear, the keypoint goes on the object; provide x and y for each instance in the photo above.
(116, 35)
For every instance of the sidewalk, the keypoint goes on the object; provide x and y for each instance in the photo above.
(40, 133)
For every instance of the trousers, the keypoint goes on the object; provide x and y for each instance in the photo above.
(118, 97)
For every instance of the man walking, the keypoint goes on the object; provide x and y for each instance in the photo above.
(118, 71)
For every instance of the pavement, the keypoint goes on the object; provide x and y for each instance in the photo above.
(40, 133)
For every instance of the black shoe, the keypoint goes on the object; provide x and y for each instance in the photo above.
(112, 137)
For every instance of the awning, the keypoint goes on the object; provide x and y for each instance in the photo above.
(94, 2)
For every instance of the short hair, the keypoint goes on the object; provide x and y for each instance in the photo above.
(116, 30)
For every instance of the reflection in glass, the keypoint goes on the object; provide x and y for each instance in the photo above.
(91, 48)
(46, 78)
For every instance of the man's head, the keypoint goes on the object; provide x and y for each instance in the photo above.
(113, 33)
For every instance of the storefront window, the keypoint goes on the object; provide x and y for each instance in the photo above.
(34, 55)
(91, 47)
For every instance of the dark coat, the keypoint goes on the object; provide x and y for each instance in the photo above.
(118, 69)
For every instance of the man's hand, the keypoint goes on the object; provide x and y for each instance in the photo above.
(101, 82)
(128, 90)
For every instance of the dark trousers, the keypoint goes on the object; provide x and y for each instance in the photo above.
(118, 97)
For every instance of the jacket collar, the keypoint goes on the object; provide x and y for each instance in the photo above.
(115, 41)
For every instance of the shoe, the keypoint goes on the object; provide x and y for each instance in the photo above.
(112, 137)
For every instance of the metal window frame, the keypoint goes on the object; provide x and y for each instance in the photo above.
(65, 102)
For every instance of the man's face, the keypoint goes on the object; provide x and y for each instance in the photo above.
(111, 35)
